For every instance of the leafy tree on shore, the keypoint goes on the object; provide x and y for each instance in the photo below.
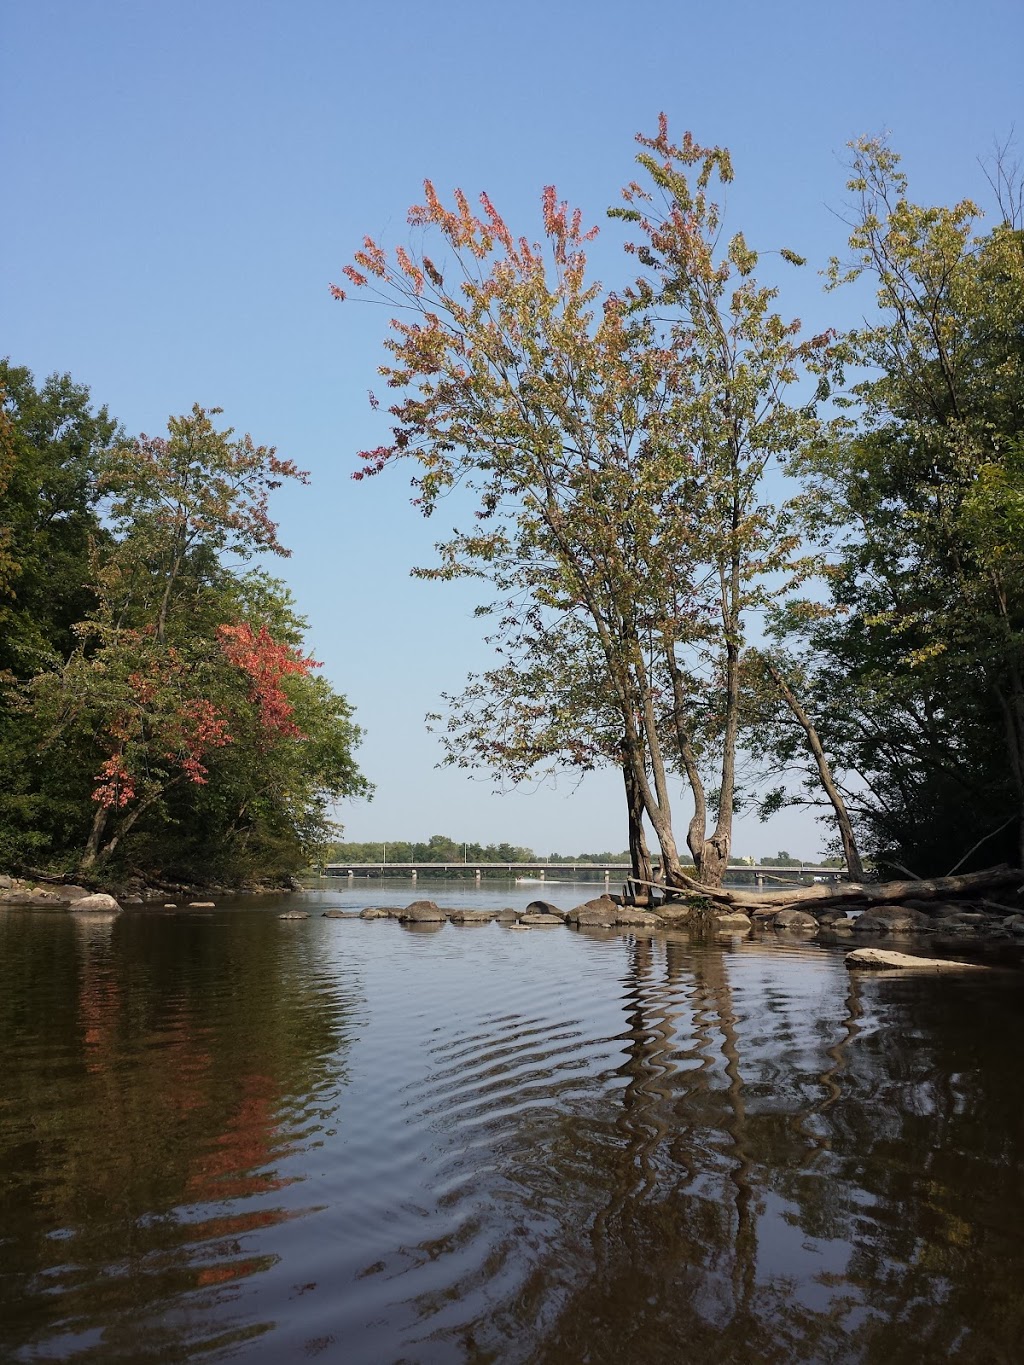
(919, 670)
(181, 728)
(616, 444)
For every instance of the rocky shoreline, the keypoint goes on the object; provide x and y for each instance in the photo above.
(941, 922)
(33, 893)
(960, 921)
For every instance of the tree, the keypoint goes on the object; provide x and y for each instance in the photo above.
(546, 708)
(188, 716)
(616, 445)
(921, 671)
(51, 442)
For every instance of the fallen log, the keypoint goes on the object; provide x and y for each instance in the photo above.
(852, 894)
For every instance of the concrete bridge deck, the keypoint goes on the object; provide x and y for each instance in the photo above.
(541, 871)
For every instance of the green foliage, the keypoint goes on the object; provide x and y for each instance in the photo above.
(616, 443)
(159, 715)
(916, 668)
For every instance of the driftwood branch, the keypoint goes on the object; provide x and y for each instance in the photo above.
(854, 893)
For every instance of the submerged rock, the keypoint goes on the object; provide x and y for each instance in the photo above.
(340, 914)
(375, 912)
(883, 959)
(471, 916)
(294, 914)
(541, 919)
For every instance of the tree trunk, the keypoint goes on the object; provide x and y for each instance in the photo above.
(92, 844)
(639, 853)
(852, 854)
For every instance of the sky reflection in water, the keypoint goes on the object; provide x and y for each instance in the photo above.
(238, 1137)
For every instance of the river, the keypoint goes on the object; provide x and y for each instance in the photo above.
(227, 1136)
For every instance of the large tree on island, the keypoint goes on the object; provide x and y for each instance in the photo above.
(616, 443)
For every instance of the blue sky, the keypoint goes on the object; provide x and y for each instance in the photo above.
(182, 182)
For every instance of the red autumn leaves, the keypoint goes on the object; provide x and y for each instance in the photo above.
(190, 727)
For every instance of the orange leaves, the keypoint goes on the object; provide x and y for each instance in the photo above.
(266, 662)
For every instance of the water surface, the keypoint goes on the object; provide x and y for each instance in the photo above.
(228, 1136)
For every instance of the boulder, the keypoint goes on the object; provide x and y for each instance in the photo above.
(422, 912)
(840, 926)
(544, 908)
(794, 919)
(375, 912)
(828, 915)
(96, 902)
(339, 914)
(674, 916)
(294, 914)
(507, 916)
(633, 916)
(882, 959)
(593, 913)
(202, 905)
(1015, 924)
(899, 919)
(541, 919)
(731, 919)
(869, 923)
(471, 917)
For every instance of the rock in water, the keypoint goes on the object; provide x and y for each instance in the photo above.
(99, 901)
(294, 914)
(794, 919)
(422, 912)
(544, 908)
(733, 919)
(881, 959)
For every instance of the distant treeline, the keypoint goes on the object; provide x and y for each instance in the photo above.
(439, 848)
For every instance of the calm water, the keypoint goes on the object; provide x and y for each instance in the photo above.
(228, 1136)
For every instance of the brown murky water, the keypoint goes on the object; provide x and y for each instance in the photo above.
(228, 1136)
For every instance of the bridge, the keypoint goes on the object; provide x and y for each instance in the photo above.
(541, 871)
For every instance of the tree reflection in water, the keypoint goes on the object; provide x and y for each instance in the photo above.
(556, 1147)
(138, 1164)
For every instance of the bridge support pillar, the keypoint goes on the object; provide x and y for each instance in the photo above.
(607, 874)
(351, 876)
(760, 882)
(542, 874)
(414, 876)
(478, 876)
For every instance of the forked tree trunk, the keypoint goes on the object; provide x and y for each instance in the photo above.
(639, 853)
